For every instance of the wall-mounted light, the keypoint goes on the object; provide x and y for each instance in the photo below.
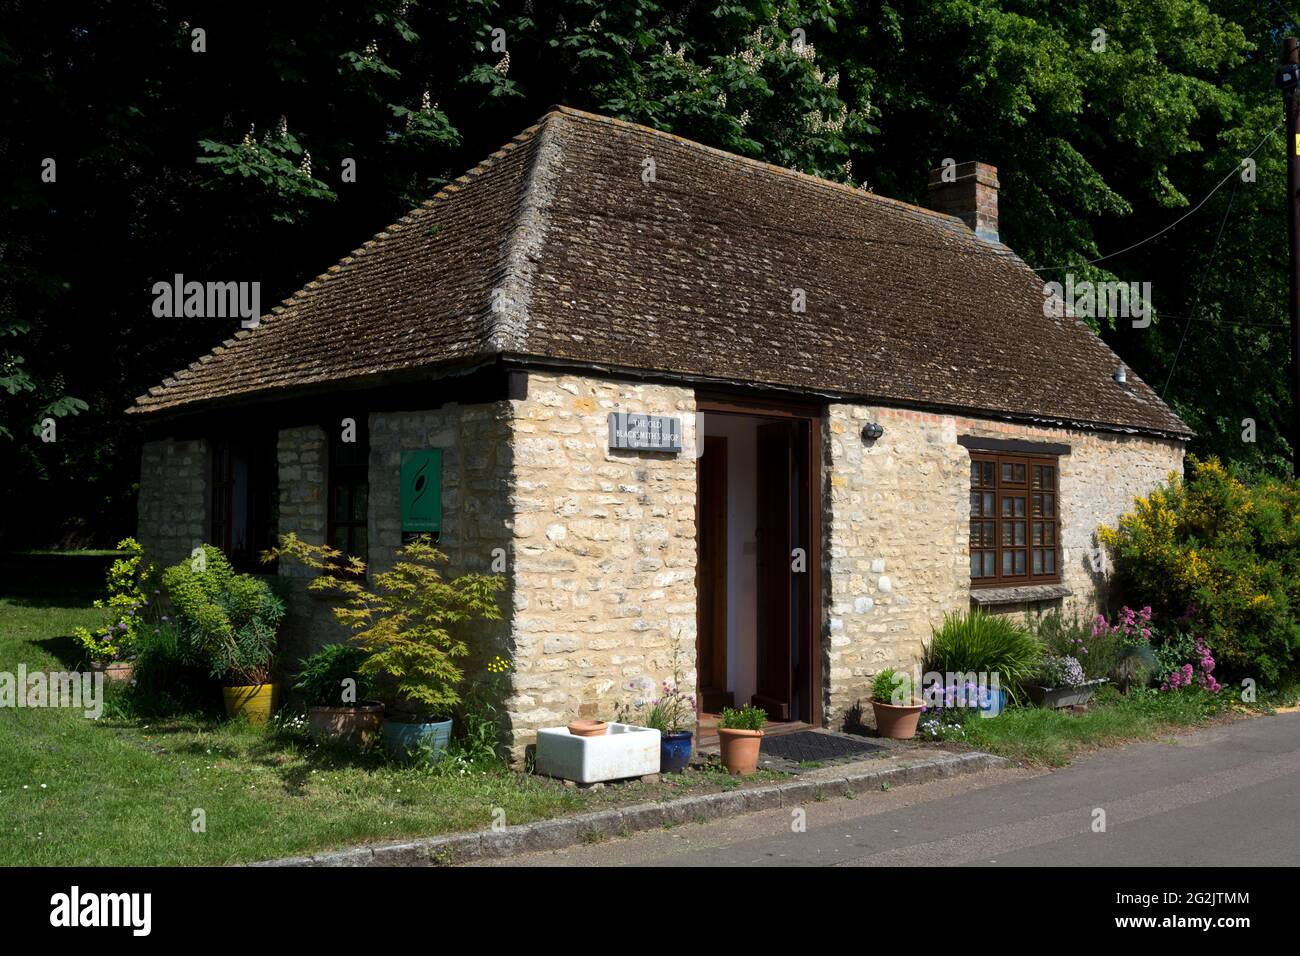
(872, 430)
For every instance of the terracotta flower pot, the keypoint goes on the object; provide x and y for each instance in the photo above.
(740, 749)
(358, 726)
(117, 672)
(897, 721)
(588, 728)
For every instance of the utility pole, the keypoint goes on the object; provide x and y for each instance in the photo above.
(1288, 78)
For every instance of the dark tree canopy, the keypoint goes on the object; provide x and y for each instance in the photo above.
(1108, 121)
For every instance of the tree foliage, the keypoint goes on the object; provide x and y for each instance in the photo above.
(410, 626)
(1223, 554)
(1107, 119)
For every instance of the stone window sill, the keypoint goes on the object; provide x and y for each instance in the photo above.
(1027, 594)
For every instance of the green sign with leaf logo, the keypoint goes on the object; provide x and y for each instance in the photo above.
(422, 491)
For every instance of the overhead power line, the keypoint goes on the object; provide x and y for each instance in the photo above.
(1196, 301)
(1225, 322)
(1110, 255)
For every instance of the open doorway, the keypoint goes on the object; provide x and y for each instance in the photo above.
(759, 562)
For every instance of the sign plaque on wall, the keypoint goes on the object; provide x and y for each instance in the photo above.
(634, 431)
(421, 491)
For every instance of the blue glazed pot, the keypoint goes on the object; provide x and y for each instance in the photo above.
(674, 751)
(403, 740)
(996, 704)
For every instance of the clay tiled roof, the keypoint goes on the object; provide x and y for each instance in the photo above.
(555, 248)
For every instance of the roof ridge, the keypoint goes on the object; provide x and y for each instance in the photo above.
(506, 322)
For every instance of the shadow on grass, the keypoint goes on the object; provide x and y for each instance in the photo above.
(43, 594)
(64, 649)
(53, 579)
(291, 755)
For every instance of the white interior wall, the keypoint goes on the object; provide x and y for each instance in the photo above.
(742, 549)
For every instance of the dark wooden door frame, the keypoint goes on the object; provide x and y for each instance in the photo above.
(711, 578)
(813, 414)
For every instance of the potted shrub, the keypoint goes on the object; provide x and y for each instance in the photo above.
(740, 735)
(112, 647)
(228, 622)
(338, 694)
(408, 627)
(671, 714)
(894, 703)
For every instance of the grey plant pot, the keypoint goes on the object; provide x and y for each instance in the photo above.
(1059, 697)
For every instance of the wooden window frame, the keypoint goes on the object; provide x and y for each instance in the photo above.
(349, 475)
(1041, 512)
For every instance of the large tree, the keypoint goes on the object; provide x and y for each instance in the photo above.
(211, 140)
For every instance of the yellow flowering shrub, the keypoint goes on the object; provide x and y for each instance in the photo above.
(1225, 550)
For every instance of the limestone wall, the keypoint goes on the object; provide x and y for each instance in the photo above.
(897, 529)
(475, 498)
(603, 565)
(302, 454)
(476, 462)
(598, 547)
(172, 505)
(476, 457)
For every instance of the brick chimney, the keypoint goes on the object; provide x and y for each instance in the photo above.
(971, 195)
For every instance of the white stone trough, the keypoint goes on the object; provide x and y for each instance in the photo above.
(624, 750)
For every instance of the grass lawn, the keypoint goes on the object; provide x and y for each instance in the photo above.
(122, 791)
(1040, 737)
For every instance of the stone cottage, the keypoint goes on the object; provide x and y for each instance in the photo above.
(694, 407)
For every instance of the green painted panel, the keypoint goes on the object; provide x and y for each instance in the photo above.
(422, 491)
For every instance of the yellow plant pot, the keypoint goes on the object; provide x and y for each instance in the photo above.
(256, 702)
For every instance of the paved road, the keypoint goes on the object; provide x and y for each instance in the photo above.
(1225, 795)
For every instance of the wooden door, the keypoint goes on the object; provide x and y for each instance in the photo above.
(775, 487)
(711, 576)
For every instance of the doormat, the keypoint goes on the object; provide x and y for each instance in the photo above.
(809, 745)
